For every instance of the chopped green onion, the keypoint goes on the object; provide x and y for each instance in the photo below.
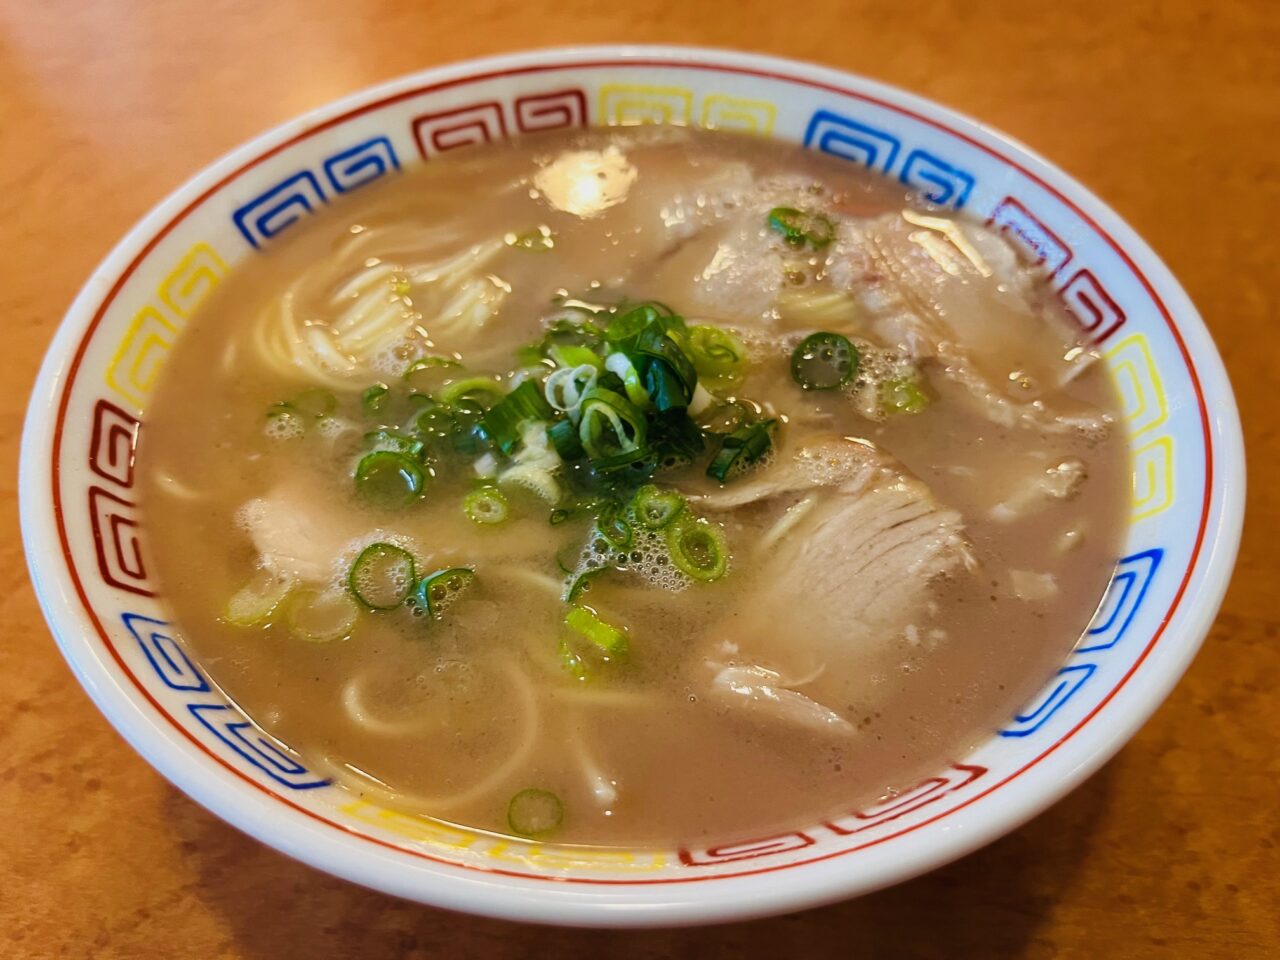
(620, 365)
(374, 399)
(697, 548)
(614, 528)
(658, 345)
(573, 355)
(437, 592)
(427, 374)
(254, 603)
(382, 576)
(479, 389)
(740, 449)
(566, 387)
(537, 480)
(572, 661)
(286, 420)
(468, 433)
(563, 435)
(395, 442)
(799, 227)
(902, 396)
(314, 403)
(389, 479)
(654, 507)
(534, 813)
(502, 421)
(580, 583)
(824, 361)
(320, 617)
(719, 357)
(611, 641)
(610, 425)
(433, 420)
(486, 505)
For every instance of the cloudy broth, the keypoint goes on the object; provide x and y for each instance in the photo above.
(903, 566)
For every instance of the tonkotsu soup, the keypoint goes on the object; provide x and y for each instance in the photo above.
(632, 487)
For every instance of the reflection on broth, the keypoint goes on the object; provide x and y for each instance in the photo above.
(635, 487)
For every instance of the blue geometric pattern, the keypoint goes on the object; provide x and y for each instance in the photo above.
(360, 164)
(1069, 680)
(938, 181)
(231, 727)
(851, 139)
(1125, 595)
(279, 207)
(1127, 591)
(171, 665)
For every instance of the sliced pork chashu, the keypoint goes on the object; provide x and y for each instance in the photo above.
(957, 295)
(854, 548)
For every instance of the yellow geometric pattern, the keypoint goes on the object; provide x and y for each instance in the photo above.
(192, 280)
(145, 346)
(1145, 408)
(1153, 478)
(533, 855)
(722, 112)
(628, 105)
(1138, 380)
(132, 371)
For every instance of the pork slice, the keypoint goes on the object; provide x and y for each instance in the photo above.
(855, 568)
(957, 295)
(298, 530)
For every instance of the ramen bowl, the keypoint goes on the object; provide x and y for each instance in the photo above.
(87, 544)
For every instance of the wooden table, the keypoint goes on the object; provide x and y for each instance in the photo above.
(1170, 851)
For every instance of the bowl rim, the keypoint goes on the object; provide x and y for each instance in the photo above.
(747, 894)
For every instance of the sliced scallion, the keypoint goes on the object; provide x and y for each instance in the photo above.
(697, 548)
(719, 357)
(534, 813)
(824, 361)
(257, 600)
(740, 449)
(572, 355)
(610, 640)
(322, 616)
(438, 591)
(427, 374)
(374, 399)
(902, 396)
(486, 505)
(485, 390)
(395, 442)
(620, 365)
(610, 424)
(502, 421)
(389, 479)
(614, 528)
(654, 507)
(382, 576)
(800, 227)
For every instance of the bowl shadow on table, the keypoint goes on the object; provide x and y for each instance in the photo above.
(989, 904)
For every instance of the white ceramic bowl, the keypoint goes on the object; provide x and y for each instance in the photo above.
(87, 549)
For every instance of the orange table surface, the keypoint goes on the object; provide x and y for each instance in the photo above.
(1169, 111)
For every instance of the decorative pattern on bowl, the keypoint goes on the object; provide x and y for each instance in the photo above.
(87, 546)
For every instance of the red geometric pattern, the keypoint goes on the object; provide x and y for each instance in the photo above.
(472, 125)
(557, 110)
(745, 850)
(1092, 306)
(1029, 234)
(488, 120)
(112, 443)
(116, 542)
(921, 795)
